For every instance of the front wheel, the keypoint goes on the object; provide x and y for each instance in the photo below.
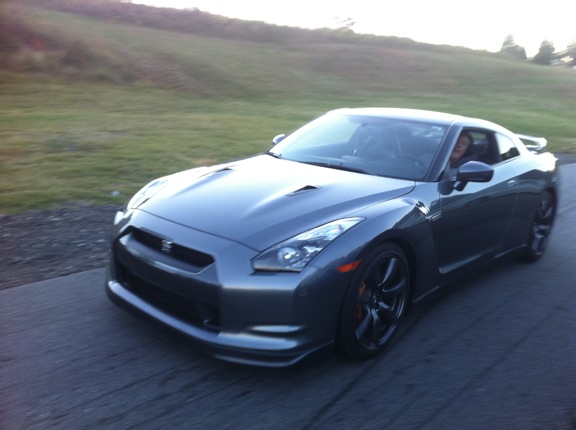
(374, 302)
(541, 227)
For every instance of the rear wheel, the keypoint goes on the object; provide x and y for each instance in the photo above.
(541, 227)
(375, 302)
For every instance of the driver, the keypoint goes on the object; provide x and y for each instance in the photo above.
(462, 151)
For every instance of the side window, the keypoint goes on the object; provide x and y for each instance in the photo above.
(482, 146)
(506, 147)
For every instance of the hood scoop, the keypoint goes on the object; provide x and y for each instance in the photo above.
(304, 190)
(222, 170)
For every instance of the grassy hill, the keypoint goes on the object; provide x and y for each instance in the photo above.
(92, 108)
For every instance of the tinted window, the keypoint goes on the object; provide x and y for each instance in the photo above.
(506, 147)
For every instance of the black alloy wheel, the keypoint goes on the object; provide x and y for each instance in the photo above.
(541, 227)
(375, 302)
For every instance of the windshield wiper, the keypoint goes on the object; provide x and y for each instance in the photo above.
(340, 167)
(272, 154)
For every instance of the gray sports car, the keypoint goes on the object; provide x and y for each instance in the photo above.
(329, 236)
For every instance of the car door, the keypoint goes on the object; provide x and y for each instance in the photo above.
(474, 220)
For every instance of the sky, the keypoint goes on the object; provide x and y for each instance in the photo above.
(476, 24)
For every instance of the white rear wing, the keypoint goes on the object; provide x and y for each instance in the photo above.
(535, 144)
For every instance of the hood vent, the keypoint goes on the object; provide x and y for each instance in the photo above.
(304, 189)
(222, 170)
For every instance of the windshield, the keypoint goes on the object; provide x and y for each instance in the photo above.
(391, 147)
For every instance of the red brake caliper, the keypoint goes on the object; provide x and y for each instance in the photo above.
(359, 314)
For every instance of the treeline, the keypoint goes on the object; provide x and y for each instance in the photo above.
(546, 55)
(196, 22)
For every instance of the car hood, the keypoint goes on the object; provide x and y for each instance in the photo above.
(263, 200)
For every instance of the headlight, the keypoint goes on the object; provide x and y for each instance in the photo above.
(294, 254)
(145, 193)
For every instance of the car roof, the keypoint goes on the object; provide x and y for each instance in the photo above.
(402, 113)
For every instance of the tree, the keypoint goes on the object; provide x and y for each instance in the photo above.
(345, 24)
(511, 49)
(546, 53)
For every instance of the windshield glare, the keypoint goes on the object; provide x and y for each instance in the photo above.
(390, 147)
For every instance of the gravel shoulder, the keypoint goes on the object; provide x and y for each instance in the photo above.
(40, 245)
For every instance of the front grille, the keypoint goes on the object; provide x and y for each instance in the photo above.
(181, 253)
(192, 311)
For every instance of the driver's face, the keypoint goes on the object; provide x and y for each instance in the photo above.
(460, 148)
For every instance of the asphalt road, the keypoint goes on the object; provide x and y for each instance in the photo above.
(497, 352)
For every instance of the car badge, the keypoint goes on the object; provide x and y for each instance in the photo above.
(167, 245)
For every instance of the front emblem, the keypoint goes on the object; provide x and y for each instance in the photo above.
(167, 246)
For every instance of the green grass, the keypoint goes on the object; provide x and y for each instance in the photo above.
(144, 103)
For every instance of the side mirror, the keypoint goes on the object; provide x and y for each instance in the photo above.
(278, 139)
(473, 171)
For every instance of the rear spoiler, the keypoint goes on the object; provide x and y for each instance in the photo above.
(535, 144)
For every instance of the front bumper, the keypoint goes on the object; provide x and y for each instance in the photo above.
(229, 311)
(258, 348)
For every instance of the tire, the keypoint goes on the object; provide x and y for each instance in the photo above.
(375, 302)
(541, 227)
